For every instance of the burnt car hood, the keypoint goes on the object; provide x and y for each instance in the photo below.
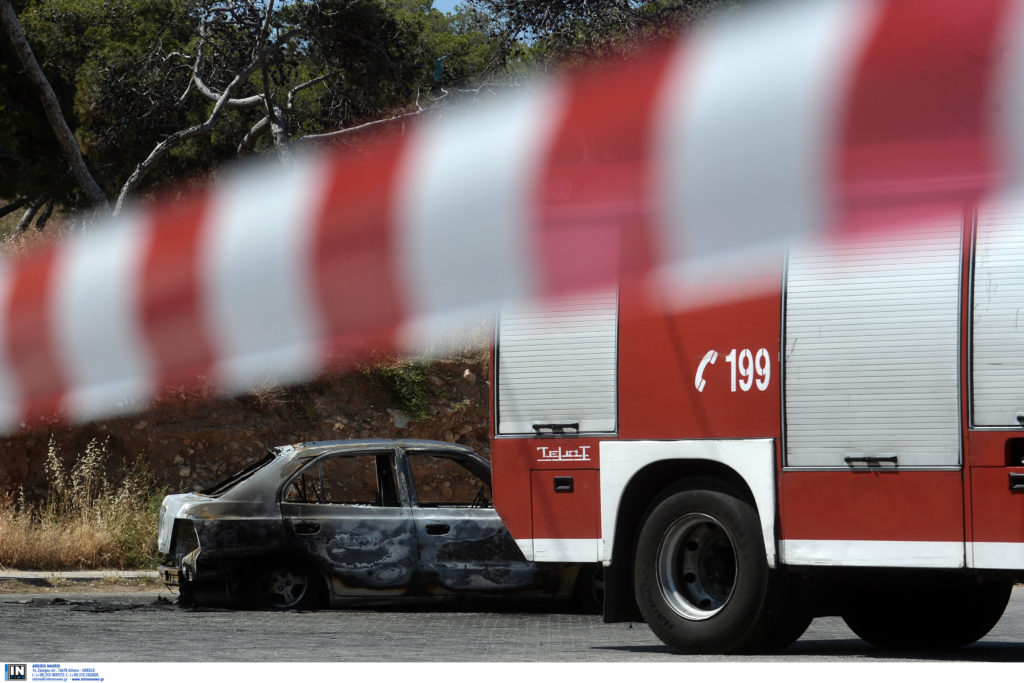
(169, 511)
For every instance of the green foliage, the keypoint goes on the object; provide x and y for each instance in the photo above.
(103, 60)
(551, 32)
(409, 381)
(467, 50)
(136, 534)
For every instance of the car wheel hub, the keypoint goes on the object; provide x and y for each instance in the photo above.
(286, 588)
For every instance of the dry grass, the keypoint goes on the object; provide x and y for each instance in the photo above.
(270, 395)
(85, 522)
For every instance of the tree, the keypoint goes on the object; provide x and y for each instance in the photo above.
(158, 89)
(72, 40)
(301, 68)
(48, 99)
(153, 90)
(551, 32)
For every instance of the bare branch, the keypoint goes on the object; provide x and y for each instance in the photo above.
(288, 35)
(208, 92)
(320, 137)
(278, 129)
(234, 103)
(184, 95)
(180, 136)
(169, 55)
(302, 86)
(13, 206)
(249, 140)
(264, 34)
(68, 143)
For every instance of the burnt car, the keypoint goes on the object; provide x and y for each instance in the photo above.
(317, 523)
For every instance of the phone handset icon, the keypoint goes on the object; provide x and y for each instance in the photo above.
(709, 358)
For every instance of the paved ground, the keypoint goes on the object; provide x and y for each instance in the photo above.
(147, 627)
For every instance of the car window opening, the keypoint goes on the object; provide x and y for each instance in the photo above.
(346, 479)
(443, 481)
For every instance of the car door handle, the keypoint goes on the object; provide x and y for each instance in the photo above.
(306, 528)
(438, 529)
(1016, 481)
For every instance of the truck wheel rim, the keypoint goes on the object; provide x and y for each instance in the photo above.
(696, 567)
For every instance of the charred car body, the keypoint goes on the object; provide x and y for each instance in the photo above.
(317, 522)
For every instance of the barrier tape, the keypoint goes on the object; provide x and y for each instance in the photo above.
(799, 119)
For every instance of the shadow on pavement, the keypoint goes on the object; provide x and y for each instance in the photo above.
(829, 650)
(985, 651)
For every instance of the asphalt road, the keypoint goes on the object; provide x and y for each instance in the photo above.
(145, 627)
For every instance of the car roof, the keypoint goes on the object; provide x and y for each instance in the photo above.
(289, 459)
(309, 449)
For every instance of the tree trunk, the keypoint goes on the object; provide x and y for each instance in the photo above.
(45, 215)
(26, 218)
(13, 206)
(68, 143)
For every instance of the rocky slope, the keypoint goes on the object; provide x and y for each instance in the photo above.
(193, 443)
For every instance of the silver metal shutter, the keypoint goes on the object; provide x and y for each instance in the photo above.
(998, 344)
(872, 351)
(557, 364)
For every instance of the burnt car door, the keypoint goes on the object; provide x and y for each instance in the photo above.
(344, 511)
(463, 544)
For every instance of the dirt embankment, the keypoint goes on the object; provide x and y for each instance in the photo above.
(192, 444)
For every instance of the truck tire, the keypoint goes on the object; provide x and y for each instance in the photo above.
(940, 612)
(797, 613)
(702, 581)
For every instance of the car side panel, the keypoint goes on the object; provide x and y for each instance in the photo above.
(364, 550)
(239, 538)
(470, 550)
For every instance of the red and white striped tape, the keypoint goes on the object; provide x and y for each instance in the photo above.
(797, 120)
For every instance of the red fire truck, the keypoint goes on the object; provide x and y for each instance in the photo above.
(847, 441)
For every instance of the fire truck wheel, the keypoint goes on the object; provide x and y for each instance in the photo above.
(701, 579)
(927, 612)
(795, 614)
